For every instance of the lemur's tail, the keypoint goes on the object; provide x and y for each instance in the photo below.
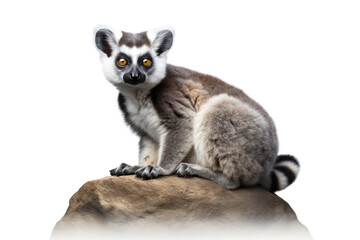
(284, 173)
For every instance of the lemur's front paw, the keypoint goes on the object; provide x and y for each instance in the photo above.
(150, 171)
(184, 170)
(124, 169)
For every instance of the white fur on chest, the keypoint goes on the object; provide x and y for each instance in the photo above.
(143, 114)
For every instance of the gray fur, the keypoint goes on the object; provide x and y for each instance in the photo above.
(200, 126)
(137, 39)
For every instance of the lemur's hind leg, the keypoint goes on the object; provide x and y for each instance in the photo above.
(231, 143)
(188, 169)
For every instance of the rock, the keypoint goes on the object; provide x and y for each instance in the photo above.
(170, 207)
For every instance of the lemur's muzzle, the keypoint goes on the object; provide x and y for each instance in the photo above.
(134, 77)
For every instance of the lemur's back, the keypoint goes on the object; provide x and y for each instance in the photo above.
(180, 79)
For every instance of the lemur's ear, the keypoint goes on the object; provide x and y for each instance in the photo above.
(162, 40)
(105, 40)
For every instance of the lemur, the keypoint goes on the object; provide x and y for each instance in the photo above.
(189, 123)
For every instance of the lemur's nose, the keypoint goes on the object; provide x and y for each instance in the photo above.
(134, 76)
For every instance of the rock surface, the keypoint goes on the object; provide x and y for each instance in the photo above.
(128, 206)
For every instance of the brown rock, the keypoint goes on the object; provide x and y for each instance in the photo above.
(170, 206)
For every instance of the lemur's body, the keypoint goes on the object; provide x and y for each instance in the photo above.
(189, 123)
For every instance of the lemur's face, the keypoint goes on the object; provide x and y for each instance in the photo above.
(136, 60)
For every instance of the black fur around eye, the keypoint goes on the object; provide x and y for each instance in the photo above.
(146, 62)
(122, 62)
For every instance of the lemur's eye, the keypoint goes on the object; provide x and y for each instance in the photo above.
(146, 62)
(122, 62)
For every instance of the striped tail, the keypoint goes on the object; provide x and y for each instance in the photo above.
(286, 169)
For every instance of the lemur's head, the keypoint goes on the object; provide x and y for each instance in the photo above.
(135, 60)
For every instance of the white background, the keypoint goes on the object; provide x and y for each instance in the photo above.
(60, 125)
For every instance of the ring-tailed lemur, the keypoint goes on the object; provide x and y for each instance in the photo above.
(189, 124)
